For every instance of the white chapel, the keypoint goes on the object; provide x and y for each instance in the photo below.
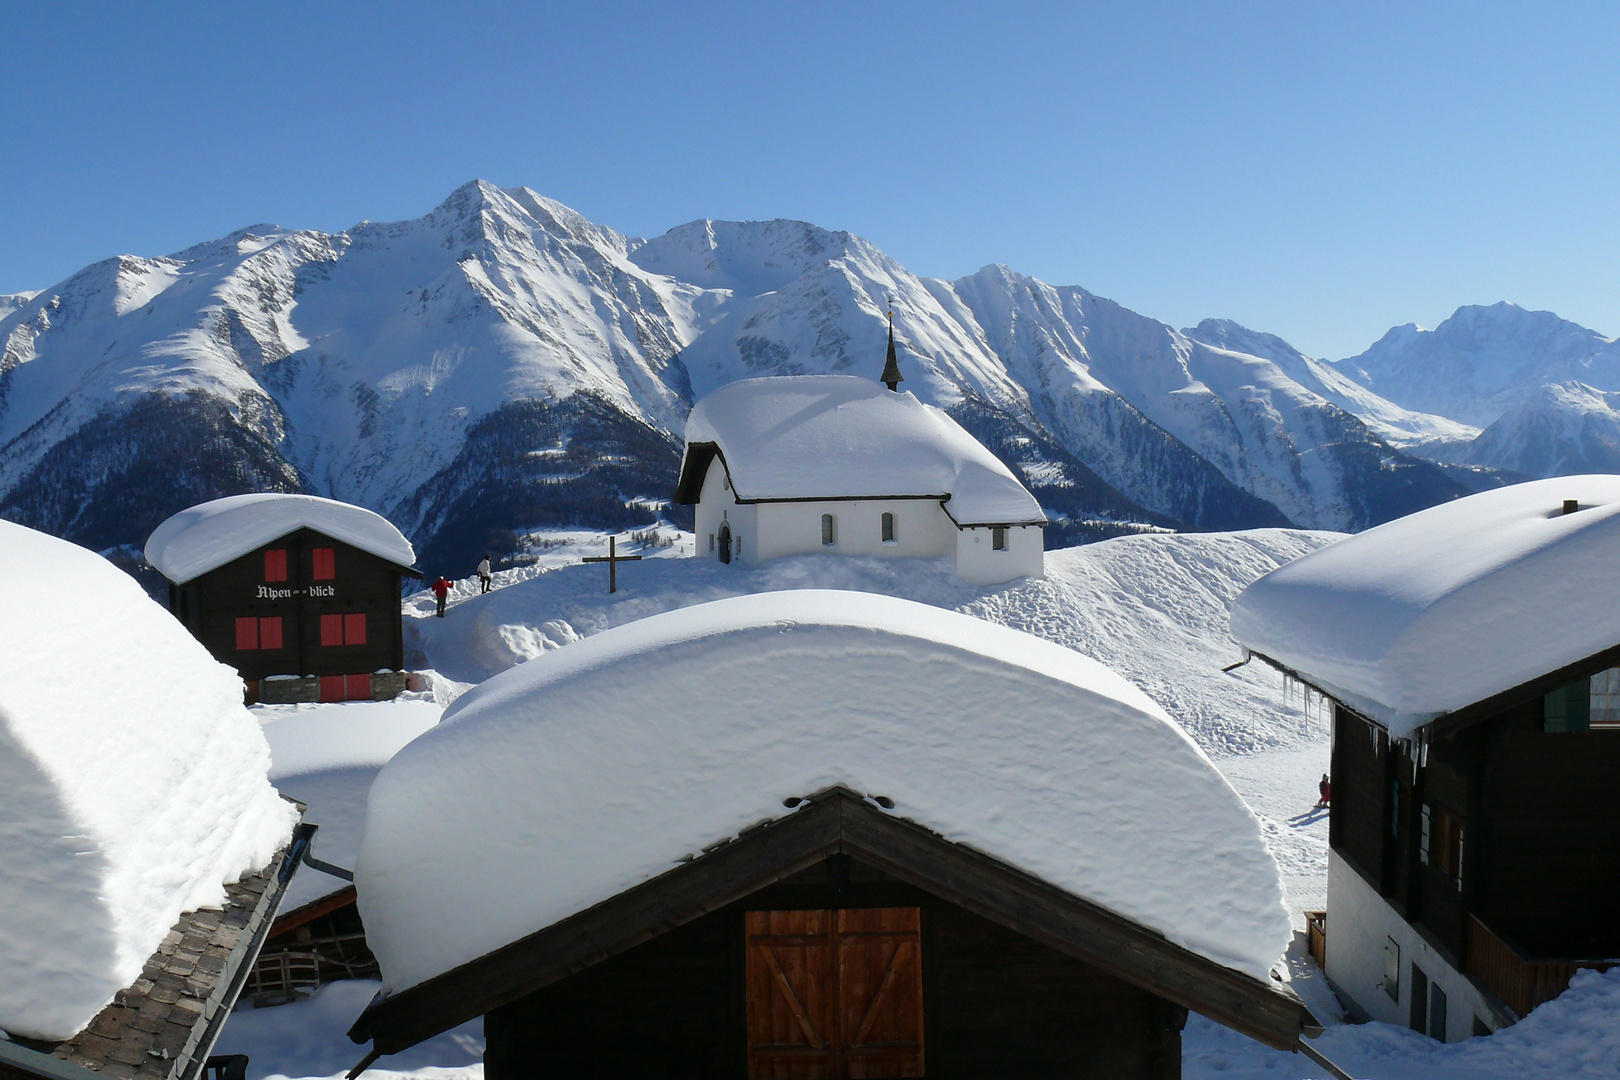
(840, 465)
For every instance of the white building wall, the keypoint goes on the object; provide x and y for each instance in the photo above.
(1360, 922)
(764, 531)
(717, 504)
(979, 563)
(921, 528)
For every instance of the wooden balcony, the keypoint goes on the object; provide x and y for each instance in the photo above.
(1522, 984)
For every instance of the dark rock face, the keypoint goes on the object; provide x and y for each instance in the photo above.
(115, 479)
(579, 462)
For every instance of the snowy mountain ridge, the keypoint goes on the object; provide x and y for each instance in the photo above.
(502, 363)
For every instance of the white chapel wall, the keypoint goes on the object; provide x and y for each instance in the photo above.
(717, 503)
(979, 563)
(921, 528)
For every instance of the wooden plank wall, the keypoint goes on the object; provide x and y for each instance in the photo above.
(996, 1004)
(1356, 819)
(210, 606)
(1552, 834)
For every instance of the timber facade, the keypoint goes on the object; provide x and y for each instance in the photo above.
(838, 941)
(302, 605)
(1495, 834)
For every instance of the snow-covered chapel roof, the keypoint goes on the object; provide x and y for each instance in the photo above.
(132, 783)
(211, 534)
(1447, 607)
(560, 784)
(840, 437)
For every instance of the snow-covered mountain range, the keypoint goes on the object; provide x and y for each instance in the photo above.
(502, 363)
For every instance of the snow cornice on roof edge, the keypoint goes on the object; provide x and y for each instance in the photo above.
(831, 438)
(211, 534)
(1460, 604)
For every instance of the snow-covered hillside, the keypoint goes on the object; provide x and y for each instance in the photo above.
(502, 363)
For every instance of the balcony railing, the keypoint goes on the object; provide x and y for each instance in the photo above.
(1521, 984)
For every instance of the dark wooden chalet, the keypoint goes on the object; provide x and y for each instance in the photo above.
(1474, 829)
(303, 615)
(840, 941)
(1495, 831)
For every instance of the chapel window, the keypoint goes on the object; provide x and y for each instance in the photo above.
(888, 528)
(325, 564)
(275, 565)
(998, 538)
(828, 536)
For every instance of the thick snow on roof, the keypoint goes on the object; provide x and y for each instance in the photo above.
(132, 782)
(326, 757)
(211, 534)
(1448, 606)
(837, 436)
(561, 783)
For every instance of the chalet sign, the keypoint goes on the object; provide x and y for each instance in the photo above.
(267, 593)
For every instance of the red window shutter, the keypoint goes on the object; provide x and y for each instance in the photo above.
(358, 687)
(354, 629)
(247, 633)
(270, 632)
(331, 630)
(275, 565)
(325, 564)
(332, 688)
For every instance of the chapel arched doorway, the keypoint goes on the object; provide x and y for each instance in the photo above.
(724, 538)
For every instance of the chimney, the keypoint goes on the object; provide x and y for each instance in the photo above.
(1571, 505)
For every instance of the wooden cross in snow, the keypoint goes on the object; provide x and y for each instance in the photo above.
(613, 559)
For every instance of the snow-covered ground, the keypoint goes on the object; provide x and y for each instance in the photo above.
(1154, 608)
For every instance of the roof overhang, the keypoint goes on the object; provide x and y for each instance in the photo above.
(1468, 715)
(832, 822)
(699, 456)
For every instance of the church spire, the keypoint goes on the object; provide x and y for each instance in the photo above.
(891, 370)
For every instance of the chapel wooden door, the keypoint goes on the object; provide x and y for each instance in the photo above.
(834, 994)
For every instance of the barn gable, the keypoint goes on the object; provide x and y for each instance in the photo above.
(908, 867)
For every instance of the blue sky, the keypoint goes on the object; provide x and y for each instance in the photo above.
(1318, 171)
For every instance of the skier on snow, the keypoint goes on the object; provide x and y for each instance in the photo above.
(485, 577)
(1326, 791)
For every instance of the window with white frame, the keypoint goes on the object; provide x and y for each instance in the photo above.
(829, 534)
(998, 538)
(888, 529)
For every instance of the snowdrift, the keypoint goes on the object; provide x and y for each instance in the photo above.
(561, 783)
(132, 783)
(1448, 606)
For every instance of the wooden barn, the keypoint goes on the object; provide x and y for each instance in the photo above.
(979, 921)
(300, 594)
(1474, 829)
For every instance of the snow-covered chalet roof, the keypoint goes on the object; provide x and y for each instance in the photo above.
(211, 534)
(563, 782)
(841, 437)
(1449, 606)
(132, 783)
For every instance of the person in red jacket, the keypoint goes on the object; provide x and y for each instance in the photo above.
(441, 589)
(1325, 789)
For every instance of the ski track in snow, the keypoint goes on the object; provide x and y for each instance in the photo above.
(1154, 608)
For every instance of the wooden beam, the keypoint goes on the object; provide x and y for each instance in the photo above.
(672, 899)
(1073, 926)
(838, 821)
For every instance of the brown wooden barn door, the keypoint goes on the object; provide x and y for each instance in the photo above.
(834, 994)
(880, 991)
